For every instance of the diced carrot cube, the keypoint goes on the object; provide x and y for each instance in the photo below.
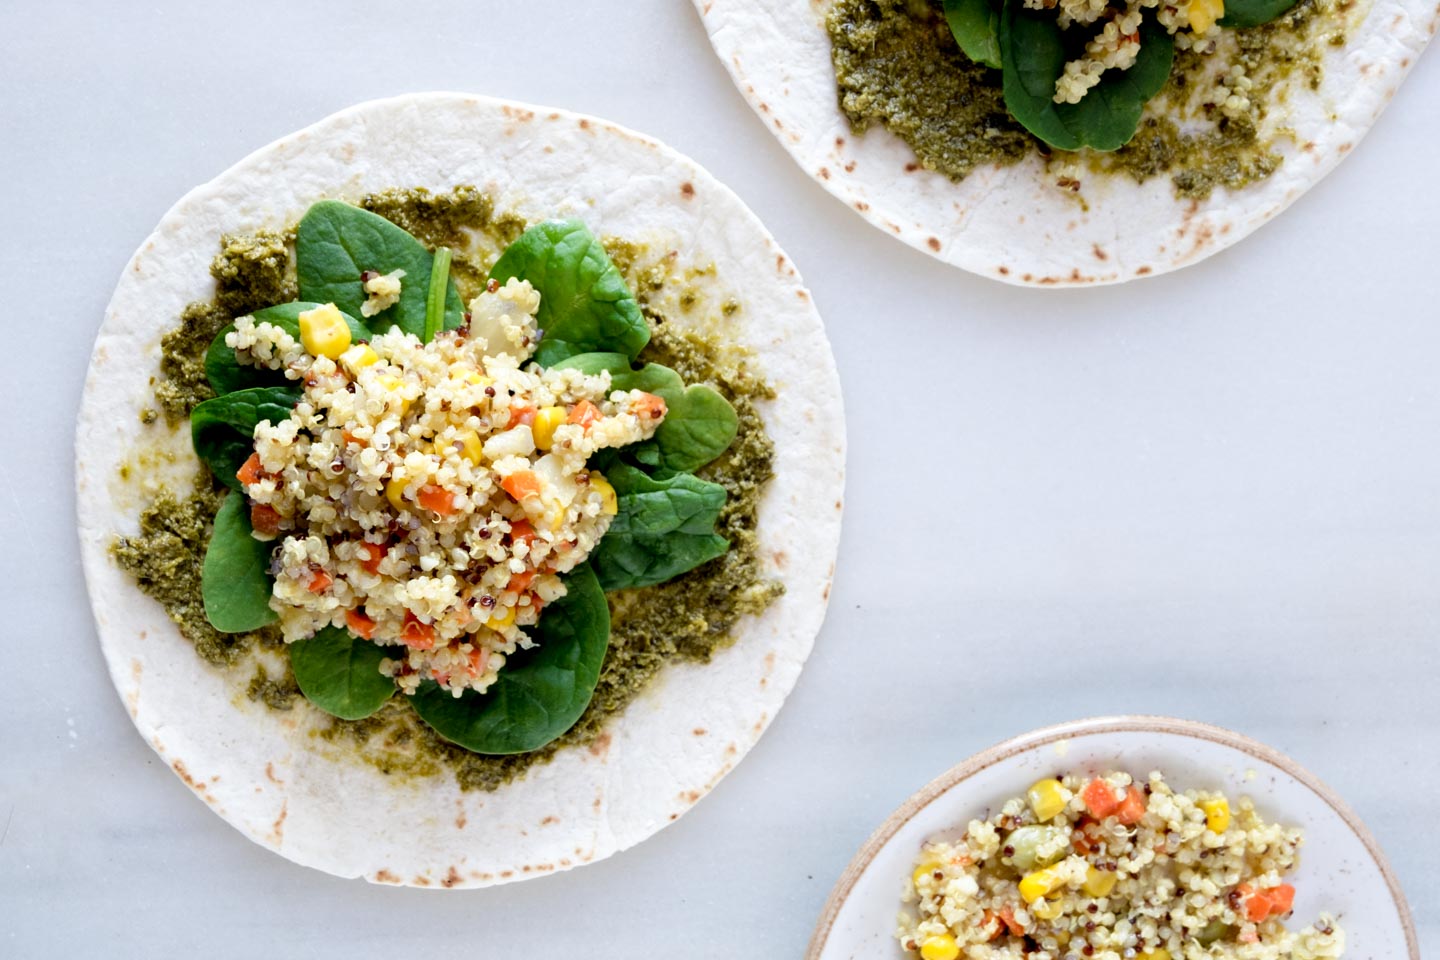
(359, 624)
(521, 413)
(520, 582)
(649, 407)
(436, 499)
(371, 554)
(1099, 799)
(319, 581)
(584, 413)
(264, 519)
(1132, 808)
(1282, 899)
(250, 471)
(417, 635)
(522, 484)
(522, 531)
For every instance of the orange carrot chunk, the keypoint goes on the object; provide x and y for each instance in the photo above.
(1099, 799)
(1132, 808)
(585, 413)
(520, 582)
(371, 554)
(1007, 917)
(319, 581)
(522, 484)
(250, 471)
(359, 624)
(1282, 899)
(264, 519)
(417, 635)
(521, 413)
(649, 407)
(436, 499)
(522, 531)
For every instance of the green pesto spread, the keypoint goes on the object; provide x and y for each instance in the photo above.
(898, 66)
(686, 619)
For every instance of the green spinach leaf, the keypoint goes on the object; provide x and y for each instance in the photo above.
(664, 528)
(227, 374)
(222, 429)
(540, 692)
(1253, 13)
(585, 305)
(1034, 52)
(975, 24)
(336, 242)
(340, 673)
(699, 424)
(235, 577)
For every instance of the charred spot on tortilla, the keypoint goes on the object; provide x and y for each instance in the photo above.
(688, 618)
(898, 65)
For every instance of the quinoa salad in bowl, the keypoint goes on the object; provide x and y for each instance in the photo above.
(1110, 868)
(1119, 838)
(457, 520)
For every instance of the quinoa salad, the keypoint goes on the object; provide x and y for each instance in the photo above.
(429, 496)
(1112, 868)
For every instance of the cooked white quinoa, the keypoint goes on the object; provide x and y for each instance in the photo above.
(1108, 869)
(429, 495)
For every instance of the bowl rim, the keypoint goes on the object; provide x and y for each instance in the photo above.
(1128, 723)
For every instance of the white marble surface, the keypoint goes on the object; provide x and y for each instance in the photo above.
(1223, 485)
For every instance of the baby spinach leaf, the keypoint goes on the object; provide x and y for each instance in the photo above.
(1253, 13)
(222, 429)
(699, 424)
(584, 303)
(227, 374)
(975, 25)
(664, 528)
(340, 673)
(540, 692)
(235, 577)
(336, 242)
(1034, 52)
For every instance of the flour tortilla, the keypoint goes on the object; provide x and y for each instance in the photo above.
(1014, 223)
(260, 769)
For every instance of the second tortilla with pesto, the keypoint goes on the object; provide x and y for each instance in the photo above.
(1071, 142)
(647, 399)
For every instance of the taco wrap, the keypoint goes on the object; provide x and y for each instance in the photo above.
(907, 111)
(220, 706)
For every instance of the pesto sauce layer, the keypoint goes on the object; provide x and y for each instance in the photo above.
(687, 619)
(897, 65)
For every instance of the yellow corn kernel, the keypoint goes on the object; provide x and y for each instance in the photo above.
(470, 447)
(323, 332)
(359, 357)
(942, 947)
(1047, 909)
(545, 423)
(1047, 798)
(393, 383)
(1035, 885)
(1204, 14)
(1159, 953)
(1098, 883)
(395, 490)
(926, 869)
(609, 503)
(502, 617)
(1217, 814)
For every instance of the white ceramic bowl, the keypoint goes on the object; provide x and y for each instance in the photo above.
(1342, 870)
